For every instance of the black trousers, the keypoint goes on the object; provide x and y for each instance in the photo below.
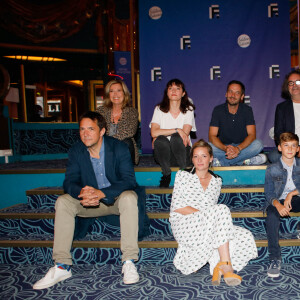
(171, 153)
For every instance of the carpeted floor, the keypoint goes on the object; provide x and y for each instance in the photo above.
(94, 282)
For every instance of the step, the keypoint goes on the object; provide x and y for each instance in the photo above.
(30, 175)
(156, 250)
(22, 211)
(242, 196)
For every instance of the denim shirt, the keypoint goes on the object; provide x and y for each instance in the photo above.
(275, 180)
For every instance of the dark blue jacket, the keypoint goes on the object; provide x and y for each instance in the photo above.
(118, 169)
(275, 180)
(119, 172)
(284, 119)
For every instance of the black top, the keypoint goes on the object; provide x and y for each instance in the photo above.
(232, 127)
(284, 119)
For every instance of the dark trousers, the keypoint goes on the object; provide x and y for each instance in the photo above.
(273, 224)
(130, 144)
(171, 153)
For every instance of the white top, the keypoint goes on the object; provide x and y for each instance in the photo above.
(167, 121)
(297, 118)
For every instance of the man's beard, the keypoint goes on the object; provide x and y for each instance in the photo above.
(232, 104)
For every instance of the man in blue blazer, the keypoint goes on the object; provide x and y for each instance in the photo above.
(99, 181)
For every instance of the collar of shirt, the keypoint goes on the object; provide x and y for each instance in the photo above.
(285, 166)
(99, 168)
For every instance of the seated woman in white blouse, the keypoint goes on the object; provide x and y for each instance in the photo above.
(203, 228)
(171, 124)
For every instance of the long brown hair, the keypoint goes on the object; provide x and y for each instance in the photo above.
(185, 103)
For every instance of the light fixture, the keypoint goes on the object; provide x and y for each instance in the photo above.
(35, 58)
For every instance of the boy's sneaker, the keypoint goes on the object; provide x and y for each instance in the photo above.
(256, 160)
(216, 163)
(53, 276)
(274, 268)
(130, 275)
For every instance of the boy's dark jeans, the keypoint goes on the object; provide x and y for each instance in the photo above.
(273, 224)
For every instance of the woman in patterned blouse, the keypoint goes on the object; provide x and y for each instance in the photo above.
(202, 227)
(121, 119)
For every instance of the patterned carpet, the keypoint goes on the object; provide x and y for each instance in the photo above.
(95, 282)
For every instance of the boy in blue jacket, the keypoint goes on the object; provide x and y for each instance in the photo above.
(282, 186)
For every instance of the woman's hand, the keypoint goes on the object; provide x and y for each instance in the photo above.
(184, 136)
(186, 210)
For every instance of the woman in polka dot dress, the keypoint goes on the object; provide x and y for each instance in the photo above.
(203, 228)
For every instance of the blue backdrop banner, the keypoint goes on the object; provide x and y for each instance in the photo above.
(206, 44)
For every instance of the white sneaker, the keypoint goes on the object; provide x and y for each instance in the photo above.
(256, 160)
(130, 274)
(53, 276)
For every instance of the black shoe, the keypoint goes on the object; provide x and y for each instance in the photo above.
(165, 181)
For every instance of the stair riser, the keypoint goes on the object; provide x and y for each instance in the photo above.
(162, 202)
(156, 256)
(157, 226)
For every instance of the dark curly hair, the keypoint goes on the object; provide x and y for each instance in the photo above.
(185, 104)
(285, 94)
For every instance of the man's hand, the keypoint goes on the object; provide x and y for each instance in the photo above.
(231, 152)
(287, 202)
(283, 211)
(90, 196)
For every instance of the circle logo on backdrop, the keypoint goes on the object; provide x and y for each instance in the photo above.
(123, 61)
(244, 41)
(155, 12)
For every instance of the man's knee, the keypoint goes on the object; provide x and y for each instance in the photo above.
(257, 145)
(65, 202)
(272, 214)
(128, 200)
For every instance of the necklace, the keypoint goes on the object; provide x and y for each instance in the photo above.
(115, 117)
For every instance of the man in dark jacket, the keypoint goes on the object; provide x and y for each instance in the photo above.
(99, 181)
(287, 115)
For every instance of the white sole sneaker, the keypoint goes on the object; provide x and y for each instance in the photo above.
(53, 276)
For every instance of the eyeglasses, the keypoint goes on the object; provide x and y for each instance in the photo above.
(291, 83)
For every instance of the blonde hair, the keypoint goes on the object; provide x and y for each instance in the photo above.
(204, 144)
(107, 101)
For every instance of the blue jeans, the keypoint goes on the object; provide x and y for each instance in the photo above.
(273, 225)
(274, 156)
(252, 150)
